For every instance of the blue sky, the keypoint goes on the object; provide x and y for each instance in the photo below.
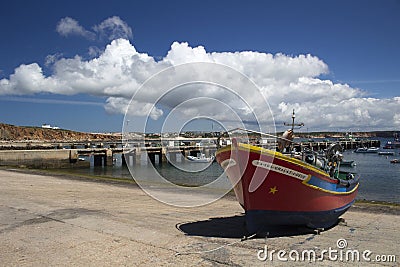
(358, 41)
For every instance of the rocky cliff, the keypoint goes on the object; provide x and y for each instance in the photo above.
(25, 133)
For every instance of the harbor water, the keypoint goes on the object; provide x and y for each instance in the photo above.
(380, 179)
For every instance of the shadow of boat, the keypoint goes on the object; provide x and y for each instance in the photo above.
(234, 227)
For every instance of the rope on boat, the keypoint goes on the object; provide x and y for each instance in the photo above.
(218, 248)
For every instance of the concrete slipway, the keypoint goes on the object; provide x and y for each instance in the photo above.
(52, 220)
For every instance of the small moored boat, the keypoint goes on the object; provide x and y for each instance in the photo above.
(393, 144)
(386, 153)
(201, 159)
(395, 161)
(367, 150)
(348, 163)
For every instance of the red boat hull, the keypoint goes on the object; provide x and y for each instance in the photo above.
(275, 189)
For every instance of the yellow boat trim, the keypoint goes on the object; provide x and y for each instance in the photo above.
(260, 150)
(328, 191)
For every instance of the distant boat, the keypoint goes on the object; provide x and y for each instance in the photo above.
(393, 144)
(395, 161)
(388, 146)
(348, 138)
(367, 150)
(387, 153)
(348, 163)
(201, 159)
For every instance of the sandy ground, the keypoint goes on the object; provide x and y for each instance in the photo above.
(49, 220)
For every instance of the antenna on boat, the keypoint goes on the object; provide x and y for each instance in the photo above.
(293, 124)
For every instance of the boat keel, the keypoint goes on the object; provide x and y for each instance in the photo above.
(259, 221)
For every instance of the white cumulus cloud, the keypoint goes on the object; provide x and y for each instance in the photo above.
(111, 28)
(69, 26)
(286, 82)
(114, 28)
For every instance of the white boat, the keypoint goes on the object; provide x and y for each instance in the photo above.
(367, 150)
(348, 163)
(201, 159)
(387, 153)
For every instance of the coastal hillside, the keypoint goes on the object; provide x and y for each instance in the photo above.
(26, 133)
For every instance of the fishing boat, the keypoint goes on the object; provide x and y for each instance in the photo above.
(282, 188)
(201, 159)
(367, 150)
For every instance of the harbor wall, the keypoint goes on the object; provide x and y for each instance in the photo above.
(62, 158)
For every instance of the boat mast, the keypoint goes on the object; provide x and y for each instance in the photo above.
(293, 124)
(271, 135)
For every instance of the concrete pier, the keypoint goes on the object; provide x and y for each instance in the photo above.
(56, 155)
(56, 158)
(51, 158)
(58, 220)
(102, 158)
